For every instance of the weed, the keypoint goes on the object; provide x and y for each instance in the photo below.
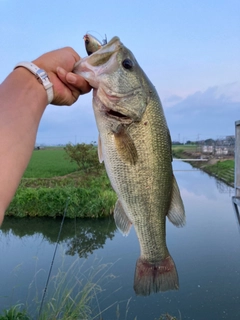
(72, 294)
(14, 313)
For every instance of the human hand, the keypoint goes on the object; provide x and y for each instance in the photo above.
(67, 86)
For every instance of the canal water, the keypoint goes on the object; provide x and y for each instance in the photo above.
(206, 252)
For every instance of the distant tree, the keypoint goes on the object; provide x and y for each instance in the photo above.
(209, 142)
(84, 155)
(176, 143)
(230, 140)
(190, 142)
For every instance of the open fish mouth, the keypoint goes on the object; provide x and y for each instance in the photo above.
(114, 109)
(119, 116)
(114, 114)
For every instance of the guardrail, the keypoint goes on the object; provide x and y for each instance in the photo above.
(236, 198)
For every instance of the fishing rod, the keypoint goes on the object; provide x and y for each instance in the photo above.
(54, 254)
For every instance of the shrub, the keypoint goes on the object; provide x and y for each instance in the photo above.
(84, 155)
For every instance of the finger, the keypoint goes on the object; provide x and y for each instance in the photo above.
(62, 73)
(78, 82)
(65, 94)
(73, 81)
(71, 92)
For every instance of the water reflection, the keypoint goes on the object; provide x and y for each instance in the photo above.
(206, 252)
(223, 187)
(82, 237)
(90, 237)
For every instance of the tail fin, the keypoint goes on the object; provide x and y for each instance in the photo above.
(155, 277)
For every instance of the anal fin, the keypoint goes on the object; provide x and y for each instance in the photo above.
(176, 213)
(121, 219)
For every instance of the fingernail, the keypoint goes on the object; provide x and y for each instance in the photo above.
(71, 78)
(61, 71)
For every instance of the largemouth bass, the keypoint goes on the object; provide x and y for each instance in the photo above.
(135, 145)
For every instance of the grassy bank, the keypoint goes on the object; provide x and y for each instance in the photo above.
(221, 168)
(51, 179)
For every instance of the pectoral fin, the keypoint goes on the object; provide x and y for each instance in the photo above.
(100, 154)
(121, 219)
(176, 213)
(125, 146)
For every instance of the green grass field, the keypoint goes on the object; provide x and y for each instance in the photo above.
(185, 147)
(177, 150)
(48, 163)
(51, 178)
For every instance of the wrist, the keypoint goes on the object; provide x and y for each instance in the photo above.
(40, 75)
(28, 86)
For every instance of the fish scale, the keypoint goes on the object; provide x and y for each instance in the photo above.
(135, 146)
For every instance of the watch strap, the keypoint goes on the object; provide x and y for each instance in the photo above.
(41, 76)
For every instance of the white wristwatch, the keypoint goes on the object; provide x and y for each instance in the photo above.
(41, 76)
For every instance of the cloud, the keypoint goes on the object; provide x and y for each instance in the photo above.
(202, 115)
(211, 113)
(231, 91)
(171, 100)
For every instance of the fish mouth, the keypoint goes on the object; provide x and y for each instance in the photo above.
(113, 108)
(114, 114)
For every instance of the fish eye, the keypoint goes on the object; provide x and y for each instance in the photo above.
(127, 64)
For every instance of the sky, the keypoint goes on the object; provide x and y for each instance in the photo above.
(190, 50)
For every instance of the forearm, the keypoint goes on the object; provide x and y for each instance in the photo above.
(22, 103)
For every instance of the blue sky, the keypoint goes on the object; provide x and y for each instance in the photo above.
(189, 49)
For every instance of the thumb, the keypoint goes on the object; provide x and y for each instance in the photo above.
(78, 82)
